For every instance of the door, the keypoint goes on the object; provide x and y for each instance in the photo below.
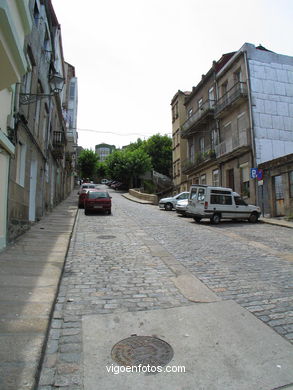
(33, 188)
(279, 196)
(230, 178)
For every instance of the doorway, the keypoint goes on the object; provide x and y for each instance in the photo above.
(279, 196)
(230, 178)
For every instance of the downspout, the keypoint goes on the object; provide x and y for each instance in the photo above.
(251, 122)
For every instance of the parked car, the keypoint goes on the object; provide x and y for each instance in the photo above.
(82, 192)
(181, 206)
(218, 203)
(97, 201)
(104, 181)
(169, 203)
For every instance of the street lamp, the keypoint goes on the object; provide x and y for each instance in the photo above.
(56, 85)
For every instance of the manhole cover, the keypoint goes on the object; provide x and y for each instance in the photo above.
(142, 350)
(106, 237)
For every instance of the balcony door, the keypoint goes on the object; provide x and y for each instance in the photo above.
(230, 178)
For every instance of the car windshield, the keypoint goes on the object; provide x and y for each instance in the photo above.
(96, 195)
(239, 201)
(88, 186)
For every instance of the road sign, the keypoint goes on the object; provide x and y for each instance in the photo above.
(259, 175)
(256, 173)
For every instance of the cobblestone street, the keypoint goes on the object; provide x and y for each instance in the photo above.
(119, 263)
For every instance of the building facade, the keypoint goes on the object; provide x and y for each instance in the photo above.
(179, 149)
(104, 150)
(239, 116)
(37, 126)
(15, 25)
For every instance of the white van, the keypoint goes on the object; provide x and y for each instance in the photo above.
(218, 203)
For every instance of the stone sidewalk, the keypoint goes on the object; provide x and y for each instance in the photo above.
(30, 272)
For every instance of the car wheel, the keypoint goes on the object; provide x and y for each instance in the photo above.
(253, 218)
(109, 212)
(168, 206)
(197, 219)
(215, 219)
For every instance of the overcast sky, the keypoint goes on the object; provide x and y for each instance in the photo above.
(132, 56)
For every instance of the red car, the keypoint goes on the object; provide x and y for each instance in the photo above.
(82, 192)
(97, 201)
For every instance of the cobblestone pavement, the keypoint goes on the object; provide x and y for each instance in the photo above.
(110, 268)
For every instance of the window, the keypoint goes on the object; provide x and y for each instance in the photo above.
(201, 194)
(72, 91)
(216, 178)
(221, 199)
(193, 193)
(36, 14)
(244, 179)
(203, 179)
(199, 103)
(215, 138)
(189, 112)
(224, 88)
(20, 163)
(201, 144)
(238, 76)
(291, 184)
(239, 201)
(211, 97)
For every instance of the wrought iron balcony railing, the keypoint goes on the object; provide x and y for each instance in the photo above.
(58, 139)
(204, 111)
(232, 144)
(238, 91)
(197, 159)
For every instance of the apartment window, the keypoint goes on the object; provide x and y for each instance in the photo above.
(203, 179)
(242, 122)
(238, 76)
(216, 178)
(201, 144)
(291, 184)
(211, 97)
(47, 41)
(189, 113)
(191, 150)
(215, 138)
(224, 88)
(244, 179)
(199, 103)
(20, 163)
(72, 91)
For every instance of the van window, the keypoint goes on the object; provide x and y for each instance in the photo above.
(201, 192)
(193, 193)
(221, 199)
(239, 201)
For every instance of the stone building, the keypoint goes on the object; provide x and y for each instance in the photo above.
(15, 25)
(37, 124)
(238, 116)
(103, 151)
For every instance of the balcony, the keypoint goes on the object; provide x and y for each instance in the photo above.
(200, 117)
(58, 144)
(233, 144)
(199, 158)
(236, 95)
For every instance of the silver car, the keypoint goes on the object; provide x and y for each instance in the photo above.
(170, 203)
(181, 206)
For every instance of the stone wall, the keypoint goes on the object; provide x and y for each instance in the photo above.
(140, 195)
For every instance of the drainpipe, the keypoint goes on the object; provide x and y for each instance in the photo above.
(251, 122)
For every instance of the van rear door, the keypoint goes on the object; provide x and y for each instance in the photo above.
(196, 200)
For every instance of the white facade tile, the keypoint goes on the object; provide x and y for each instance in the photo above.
(259, 106)
(290, 76)
(288, 147)
(289, 89)
(268, 86)
(264, 150)
(266, 121)
(288, 67)
(278, 149)
(276, 65)
(273, 134)
(278, 122)
(256, 118)
(260, 132)
(270, 73)
(270, 107)
(288, 123)
(290, 106)
(286, 136)
(282, 75)
(256, 85)
(259, 72)
(282, 109)
(280, 88)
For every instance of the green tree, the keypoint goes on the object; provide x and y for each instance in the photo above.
(125, 165)
(87, 163)
(159, 148)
